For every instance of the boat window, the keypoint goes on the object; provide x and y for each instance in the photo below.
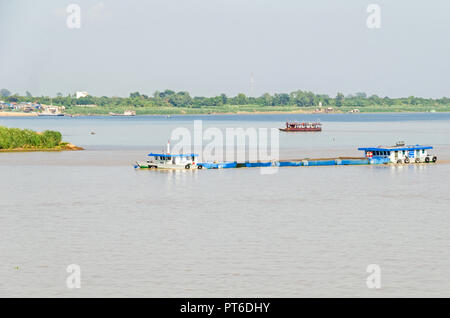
(423, 150)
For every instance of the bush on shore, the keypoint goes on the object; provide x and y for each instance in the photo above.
(13, 138)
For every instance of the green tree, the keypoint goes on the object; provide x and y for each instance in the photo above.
(281, 99)
(339, 99)
(4, 92)
(180, 99)
(241, 99)
(135, 95)
(267, 99)
(224, 99)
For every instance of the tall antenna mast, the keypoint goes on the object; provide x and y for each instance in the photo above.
(252, 84)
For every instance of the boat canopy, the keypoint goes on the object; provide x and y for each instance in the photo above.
(170, 155)
(394, 148)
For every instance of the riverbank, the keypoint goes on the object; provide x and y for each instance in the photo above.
(62, 147)
(18, 114)
(237, 109)
(252, 109)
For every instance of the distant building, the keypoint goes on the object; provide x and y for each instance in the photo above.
(129, 113)
(81, 94)
(51, 109)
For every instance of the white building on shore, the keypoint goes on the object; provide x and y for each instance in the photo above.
(81, 94)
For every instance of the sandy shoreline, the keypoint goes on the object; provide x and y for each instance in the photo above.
(17, 114)
(68, 147)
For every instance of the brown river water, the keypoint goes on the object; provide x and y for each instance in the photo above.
(299, 232)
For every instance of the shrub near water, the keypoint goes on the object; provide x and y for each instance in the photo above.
(12, 138)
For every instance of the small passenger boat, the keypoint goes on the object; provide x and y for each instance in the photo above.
(295, 126)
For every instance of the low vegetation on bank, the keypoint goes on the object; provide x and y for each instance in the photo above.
(16, 139)
(243, 109)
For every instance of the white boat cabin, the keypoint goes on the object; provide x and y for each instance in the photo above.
(171, 159)
(401, 153)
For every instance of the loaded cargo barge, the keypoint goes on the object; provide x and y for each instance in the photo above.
(398, 154)
(340, 161)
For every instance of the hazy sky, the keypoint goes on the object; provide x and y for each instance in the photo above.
(208, 47)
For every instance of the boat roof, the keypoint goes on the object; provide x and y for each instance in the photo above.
(396, 148)
(302, 123)
(172, 155)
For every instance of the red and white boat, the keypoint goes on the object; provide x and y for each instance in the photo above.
(294, 126)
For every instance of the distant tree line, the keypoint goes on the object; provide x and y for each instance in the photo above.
(171, 98)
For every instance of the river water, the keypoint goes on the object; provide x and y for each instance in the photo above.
(304, 231)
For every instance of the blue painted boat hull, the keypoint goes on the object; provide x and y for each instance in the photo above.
(217, 165)
(321, 162)
(346, 162)
(379, 160)
(290, 164)
(258, 164)
(305, 162)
